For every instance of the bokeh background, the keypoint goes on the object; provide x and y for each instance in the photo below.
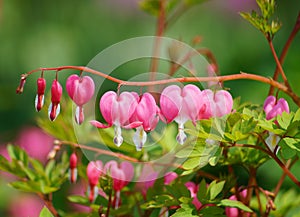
(36, 33)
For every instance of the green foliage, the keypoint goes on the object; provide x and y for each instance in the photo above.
(262, 22)
(34, 177)
(45, 213)
(185, 210)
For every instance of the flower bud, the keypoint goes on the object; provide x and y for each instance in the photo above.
(21, 85)
(73, 168)
(54, 108)
(39, 100)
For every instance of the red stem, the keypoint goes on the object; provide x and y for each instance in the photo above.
(285, 51)
(243, 75)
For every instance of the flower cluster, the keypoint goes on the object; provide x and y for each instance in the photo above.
(80, 89)
(129, 110)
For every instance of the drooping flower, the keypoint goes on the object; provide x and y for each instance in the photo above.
(56, 92)
(39, 99)
(215, 104)
(93, 171)
(180, 105)
(193, 188)
(80, 90)
(121, 174)
(146, 112)
(73, 168)
(117, 110)
(273, 108)
(146, 180)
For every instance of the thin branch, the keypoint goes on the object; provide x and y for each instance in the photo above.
(48, 204)
(243, 75)
(285, 51)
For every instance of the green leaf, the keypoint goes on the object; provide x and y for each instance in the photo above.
(79, 199)
(191, 163)
(45, 213)
(213, 211)
(186, 210)
(234, 203)
(202, 191)
(284, 120)
(292, 143)
(215, 189)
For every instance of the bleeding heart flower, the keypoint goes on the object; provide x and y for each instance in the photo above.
(121, 174)
(93, 171)
(117, 110)
(215, 104)
(146, 112)
(39, 100)
(273, 108)
(180, 105)
(193, 188)
(81, 90)
(56, 92)
(73, 168)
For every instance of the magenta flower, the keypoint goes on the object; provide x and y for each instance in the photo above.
(81, 90)
(93, 171)
(73, 168)
(117, 110)
(56, 92)
(121, 174)
(39, 100)
(193, 188)
(215, 104)
(170, 177)
(273, 108)
(20, 88)
(146, 112)
(180, 105)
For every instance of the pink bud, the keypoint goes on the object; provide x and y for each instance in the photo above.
(73, 168)
(273, 108)
(20, 88)
(56, 92)
(81, 90)
(39, 100)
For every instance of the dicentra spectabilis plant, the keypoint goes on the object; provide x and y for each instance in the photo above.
(181, 146)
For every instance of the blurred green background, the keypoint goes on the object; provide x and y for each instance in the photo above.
(36, 33)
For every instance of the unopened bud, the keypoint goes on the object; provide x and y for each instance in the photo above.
(73, 168)
(21, 85)
(39, 100)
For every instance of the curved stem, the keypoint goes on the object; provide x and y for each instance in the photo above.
(285, 50)
(241, 76)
